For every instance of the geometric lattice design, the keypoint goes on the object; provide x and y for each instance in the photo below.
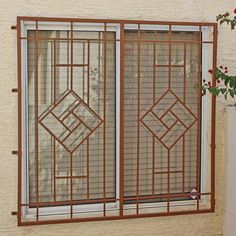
(70, 121)
(168, 119)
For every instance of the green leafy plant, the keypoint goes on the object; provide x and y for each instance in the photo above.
(225, 84)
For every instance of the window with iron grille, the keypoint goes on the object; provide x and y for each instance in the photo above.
(110, 123)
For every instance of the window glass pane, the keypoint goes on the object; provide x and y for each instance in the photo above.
(161, 135)
(74, 98)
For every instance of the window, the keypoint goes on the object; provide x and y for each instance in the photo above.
(110, 123)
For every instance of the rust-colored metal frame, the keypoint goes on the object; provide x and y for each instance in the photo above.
(121, 187)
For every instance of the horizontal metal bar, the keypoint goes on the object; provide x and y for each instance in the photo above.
(83, 40)
(70, 177)
(117, 40)
(166, 172)
(29, 18)
(171, 196)
(74, 202)
(109, 200)
(69, 65)
(61, 221)
(169, 66)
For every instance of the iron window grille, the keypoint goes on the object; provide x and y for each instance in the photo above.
(109, 123)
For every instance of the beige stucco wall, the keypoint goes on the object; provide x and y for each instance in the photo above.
(175, 10)
(230, 195)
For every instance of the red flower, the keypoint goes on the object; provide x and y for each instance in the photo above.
(209, 83)
(210, 71)
(226, 72)
(221, 67)
(235, 11)
(218, 81)
(226, 68)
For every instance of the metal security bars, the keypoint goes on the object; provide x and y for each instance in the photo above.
(110, 125)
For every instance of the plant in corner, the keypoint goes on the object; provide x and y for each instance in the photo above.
(225, 83)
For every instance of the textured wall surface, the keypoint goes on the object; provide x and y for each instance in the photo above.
(173, 10)
(230, 197)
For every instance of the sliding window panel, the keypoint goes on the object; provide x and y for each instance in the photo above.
(71, 120)
(161, 118)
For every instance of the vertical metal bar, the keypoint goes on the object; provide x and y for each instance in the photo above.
(104, 120)
(36, 121)
(185, 59)
(168, 162)
(184, 100)
(88, 96)
(88, 186)
(198, 161)
(83, 82)
(19, 120)
(88, 76)
(71, 155)
(54, 169)
(52, 71)
(168, 182)
(52, 138)
(54, 100)
(213, 120)
(153, 138)
(68, 54)
(122, 49)
(138, 127)
(169, 63)
(55, 69)
(71, 185)
(71, 56)
(153, 165)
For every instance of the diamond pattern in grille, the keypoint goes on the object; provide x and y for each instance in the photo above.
(168, 119)
(70, 121)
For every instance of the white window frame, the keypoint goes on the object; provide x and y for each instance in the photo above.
(29, 25)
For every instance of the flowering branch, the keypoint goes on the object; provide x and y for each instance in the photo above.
(226, 18)
(225, 84)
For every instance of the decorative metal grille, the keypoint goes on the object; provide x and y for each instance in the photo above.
(175, 123)
(79, 160)
(77, 121)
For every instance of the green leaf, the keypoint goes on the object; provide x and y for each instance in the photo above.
(231, 92)
(211, 89)
(217, 91)
(223, 90)
(226, 80)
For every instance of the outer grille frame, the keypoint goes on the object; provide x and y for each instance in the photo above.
(122, 198)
